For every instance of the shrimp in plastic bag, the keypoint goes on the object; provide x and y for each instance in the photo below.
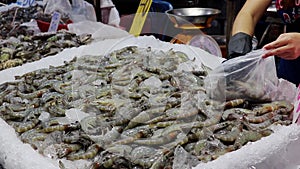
(248, 77)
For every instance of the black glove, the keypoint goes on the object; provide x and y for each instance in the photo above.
(239, 44)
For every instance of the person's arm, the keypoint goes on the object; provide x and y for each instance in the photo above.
(249, 15)
(286, 46)
(243, 28)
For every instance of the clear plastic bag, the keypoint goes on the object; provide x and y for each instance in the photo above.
(82, 11)
(248, 77)
(62, 6)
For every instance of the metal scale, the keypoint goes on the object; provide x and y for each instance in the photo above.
(191, 21)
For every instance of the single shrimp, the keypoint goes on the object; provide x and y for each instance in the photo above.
(91, 152)
(22, 127)
(65, 149)
(36, 94)
(160, 140)
(273, 106)
(249, 135)
(260, 119)
(229, 137)
(233, 103)
(145, 116)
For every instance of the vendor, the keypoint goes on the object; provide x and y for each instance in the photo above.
(286, 46)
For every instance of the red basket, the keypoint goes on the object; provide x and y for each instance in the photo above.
(44, 26)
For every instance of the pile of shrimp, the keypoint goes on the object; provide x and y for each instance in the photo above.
(140, 106)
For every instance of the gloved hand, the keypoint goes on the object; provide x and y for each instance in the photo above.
(239, 44)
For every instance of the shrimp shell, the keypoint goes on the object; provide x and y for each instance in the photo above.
(246, 136)
(158, 141)
(260, 119)
(229, 137)
(65, 149)
(273, 106)
(33, 95)
(25, 126)
(90, 153)
(233, 103)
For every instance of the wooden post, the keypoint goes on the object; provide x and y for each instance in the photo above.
(97, 5)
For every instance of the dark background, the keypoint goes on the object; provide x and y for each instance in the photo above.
(126, 7)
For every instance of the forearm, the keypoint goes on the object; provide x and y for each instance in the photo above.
(243, 28)
(243, 23)
(249, 15)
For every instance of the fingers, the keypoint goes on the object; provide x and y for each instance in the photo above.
(269, 46)
(267, 54)
(287, 46)
(280, 52)
(271, 51)
(278, 47)
(276, 44)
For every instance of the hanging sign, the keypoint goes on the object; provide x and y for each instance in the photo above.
(25, 3)
(54, 22)
(140, 17)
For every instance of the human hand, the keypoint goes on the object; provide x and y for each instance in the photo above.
(286, 46)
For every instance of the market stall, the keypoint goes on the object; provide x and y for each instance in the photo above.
(121, 101)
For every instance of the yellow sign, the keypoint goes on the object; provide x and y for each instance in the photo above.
(140, 17)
